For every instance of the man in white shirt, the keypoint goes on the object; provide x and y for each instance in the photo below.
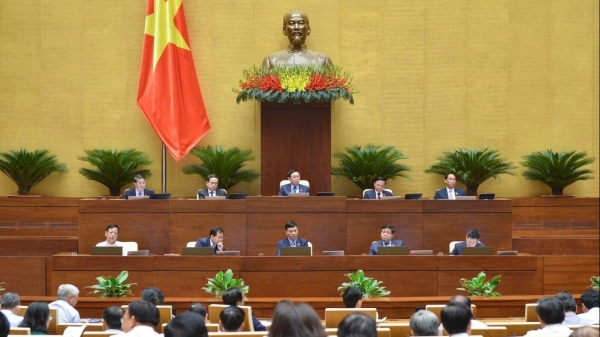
(590, 302)
(188, 324)
(551, 314)
(10, 303)
(456, 319)
(570, 305)
(111, 233)
(67, 299)
(140, 319)
(111, 319)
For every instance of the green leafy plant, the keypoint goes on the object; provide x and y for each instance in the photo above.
(472, 167)
(367, 285)
(224, 281)
(226, 164)
(114, 169)
(111, 286)
(478, 287)
(595, 283)
(27, 169)
(557, 170)
(1, 286)
(362, 165)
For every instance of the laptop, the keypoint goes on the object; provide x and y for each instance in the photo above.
(325, 194)
(198, 251)
(297, 195)
(161, 196)
(507, 252)
(393, 250)
(218, 197)
(138, 253)
(333, 252)
(422, 252)
(103, 250)
(487, 250)
(413, 196)
(293, 251)
(390, 197)
(465, 197)
(486, 196)
(135, 197)
(228, 253)
(238, 195)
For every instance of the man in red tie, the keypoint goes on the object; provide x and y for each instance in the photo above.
(387, 239)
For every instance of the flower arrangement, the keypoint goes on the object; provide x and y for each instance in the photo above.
(295, 84)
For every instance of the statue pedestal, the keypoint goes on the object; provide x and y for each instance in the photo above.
(295, 136)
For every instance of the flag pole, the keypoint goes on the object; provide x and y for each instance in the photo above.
(163, 168)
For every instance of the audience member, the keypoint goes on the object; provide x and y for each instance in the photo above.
(139, 190)
(140, 319)
(153, 295)
(294, 186)
(231, 319)
(471, 240)
(570, 305)
(211, 190)
(9, 305)
(200, 310)
(377, 192)
(551, 314)
(449, 192)
(37, 318)
(215, 240)
(456, 319)
(111, 319)
(67, 299)
(387, 239)
(292, 240)
(295, 320)
(424, 323)
(585, 331)
(235, 297)
(467, 301)
(590, 302)
(4, 325)
(352, 297)
(357, 324)
(188, 324)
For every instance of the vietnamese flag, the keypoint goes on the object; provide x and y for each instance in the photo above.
(169, 93)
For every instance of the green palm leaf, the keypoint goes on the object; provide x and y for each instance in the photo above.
(367, 285)
(27, 169)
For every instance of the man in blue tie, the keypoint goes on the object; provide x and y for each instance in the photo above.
(292, 240)
(211, 190)
(294, 186)
(215, 240)
(387, 239)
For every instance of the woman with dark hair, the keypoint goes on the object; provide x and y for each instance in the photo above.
(37, 318)
(295, 320)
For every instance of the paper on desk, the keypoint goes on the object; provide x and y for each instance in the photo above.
(74, 331)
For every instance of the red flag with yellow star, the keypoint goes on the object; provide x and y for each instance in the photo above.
(169, 93)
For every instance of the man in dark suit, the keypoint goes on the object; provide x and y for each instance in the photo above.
(294, 186)
(387, 239)
(449, 192)
(215, 240)
(377, 192)
(211, 189)
(140, 189)
(292, 240)
(472, 240)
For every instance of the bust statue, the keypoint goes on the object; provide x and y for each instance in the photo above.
(296, 28)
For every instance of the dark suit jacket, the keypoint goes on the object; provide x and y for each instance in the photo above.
(375, 245)
(132, 192)
(286, 243)
(371, 194)
(205, 242)
(458, 248)
(205, 194)
(287, 189)
(442, 193)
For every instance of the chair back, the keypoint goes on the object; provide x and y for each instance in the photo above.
(516, 328)
(97, 334)
(286, 181)
(22, 310)
(333, 316)
(310, 245)
(397, 329)
(191, 244)
(129, 246)
(214, 310)
(53, 322)
(490, 331)
(212, 327)
(451, 246)
(19, 331)
(530, 314)
(381, 332)
(60, 327)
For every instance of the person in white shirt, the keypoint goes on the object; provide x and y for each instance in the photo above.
(551, 314)
(424, 323)
(67, 299)
(111, 233)
(140, 319)
(570, 305)
(590, 302)
(111, 319)
(9, 305)
(456, 319)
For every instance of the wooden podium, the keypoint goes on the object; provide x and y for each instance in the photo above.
(295, 136)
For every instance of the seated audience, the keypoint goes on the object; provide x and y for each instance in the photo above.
(387, 239)
(590, 302)
(551, 314)
(153, 295)
(585, 331)
(215, 240)
(456, 319)
(140, 319)
(295, 320)
(292, 240)
(9, 305)
(67, 299)
(467, 301)
(570, 305)
(200, 310)
(37, 318)
(377, 192)
(357, 325)
(231, 319)
(111, 319)
(188, 324)
(4, 325)
(424, 323)
(235, 297)
(472, 240)
(352, 297)
(294, 186)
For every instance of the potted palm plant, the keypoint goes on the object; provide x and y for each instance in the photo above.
(224, 281)
(472, 167)
(27, 169)
(115, 169)
(112, 286)
(557, 170)
(226, 164)
(361, 165)
(368, 286)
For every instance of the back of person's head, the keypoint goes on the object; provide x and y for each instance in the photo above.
(233, 296)
(585, 331)
(590, 299)
(290, 224)
(473, 234)
(66, 290)
(351, 296)
(112, 317)
(153, 295)
(357, 324)
(460, 299)
(144, 312)
(296, 320)
(4, 325)
(232, 319)
(456, 318)
(424, 323)
(10, 301)
(188, 324)
(567, 301)
(550, 310)
(199, 309)
(36, 317)
(215, 230)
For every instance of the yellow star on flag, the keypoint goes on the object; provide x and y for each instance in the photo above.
(161, 25)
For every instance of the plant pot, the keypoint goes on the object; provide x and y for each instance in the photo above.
(24, 196)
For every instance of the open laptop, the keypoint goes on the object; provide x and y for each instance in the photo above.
(333, 252)
(198, 251)
(487, 250)
(144, 252)
(421, 252)
(325, 194)
(103, 250)
(292, 251)
(218, 197)
(238, 195)
(507, 252)
(413, 196)
(298, 195)
(228, 253)
(161, 196)
(135, 197)
(486, 196)
(387, 197)
(393, 250)
(466, 197)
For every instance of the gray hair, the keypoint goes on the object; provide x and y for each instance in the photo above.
(10, 300)
(66, 290)
(424, 323)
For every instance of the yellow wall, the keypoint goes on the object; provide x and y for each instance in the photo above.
(433, 75)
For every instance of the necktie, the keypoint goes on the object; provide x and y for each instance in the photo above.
(378, 195)
(212, 194)
(139, 194)
(451, 194)
(295, 189)
(293, 244)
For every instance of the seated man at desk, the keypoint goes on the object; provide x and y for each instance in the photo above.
(472, 240)
(292, 240)
(215, 240)
(111, 233)
(377, 192)
(449, 192)
(294, 186)
(211, 189)
(387, 239)
(140, 190)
